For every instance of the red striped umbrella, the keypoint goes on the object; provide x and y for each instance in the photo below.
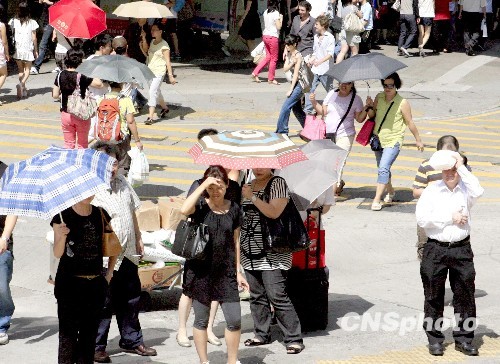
(77, 18)
(246, 149)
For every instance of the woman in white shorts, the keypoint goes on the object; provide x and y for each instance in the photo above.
(348, 39)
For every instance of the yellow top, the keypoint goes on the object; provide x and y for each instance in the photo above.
(394, 127)
(156, 62)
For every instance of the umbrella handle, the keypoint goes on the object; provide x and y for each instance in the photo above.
(60, 216)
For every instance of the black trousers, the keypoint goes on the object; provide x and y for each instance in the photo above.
(437, 260)
(123, 296)
(472, 28)
(79, 303)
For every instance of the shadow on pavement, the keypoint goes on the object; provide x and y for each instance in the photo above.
(36, 328)
(148, 191)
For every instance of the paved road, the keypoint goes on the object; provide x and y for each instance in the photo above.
(371, 254)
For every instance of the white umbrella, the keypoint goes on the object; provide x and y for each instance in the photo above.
(143, 9)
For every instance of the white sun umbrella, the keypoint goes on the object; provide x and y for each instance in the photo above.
(143, 9)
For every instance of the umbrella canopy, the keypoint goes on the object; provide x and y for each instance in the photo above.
(77, 18)
(143, 9)
(364, 67)
(247, 149)
(117, 68)
(310, 178)
(53, 180)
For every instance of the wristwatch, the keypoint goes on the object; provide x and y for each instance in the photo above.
(253, 199)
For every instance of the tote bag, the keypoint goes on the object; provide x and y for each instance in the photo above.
(352, 23)
(84, 108)
(365, 133)
(191, 239)
(314, 129)
(287, 233)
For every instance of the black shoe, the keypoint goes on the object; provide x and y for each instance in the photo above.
(466, 348)
(164, 113)
(149, 121)
(436, 349)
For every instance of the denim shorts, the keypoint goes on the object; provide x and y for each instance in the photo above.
(426, 21)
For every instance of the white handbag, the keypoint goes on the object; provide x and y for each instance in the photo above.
(353, 24)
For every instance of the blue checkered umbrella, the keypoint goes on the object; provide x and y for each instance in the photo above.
(52, 181)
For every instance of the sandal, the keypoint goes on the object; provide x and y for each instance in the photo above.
(389, 197)
(149, 121)
(255, 342)
(339, 188)
(376, 206)
(255, 78)
(295, 348)
(273, 82)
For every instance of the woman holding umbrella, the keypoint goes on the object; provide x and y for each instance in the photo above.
(392, 116)
(158, 60)
(266, 272)
(79, 285)
(340, 108)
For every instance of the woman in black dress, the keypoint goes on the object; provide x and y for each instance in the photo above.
(249, 24)
(217, 277)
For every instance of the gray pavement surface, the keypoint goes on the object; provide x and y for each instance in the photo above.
(371, 255)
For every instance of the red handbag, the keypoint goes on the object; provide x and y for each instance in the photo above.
(366, 132)
(314, 129)
(299, 259)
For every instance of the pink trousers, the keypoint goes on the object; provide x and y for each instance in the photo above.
(75, 131)
(272, 49)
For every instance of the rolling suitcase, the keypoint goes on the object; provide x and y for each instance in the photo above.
(308, 288)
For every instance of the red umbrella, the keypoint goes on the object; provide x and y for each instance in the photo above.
(77, 18)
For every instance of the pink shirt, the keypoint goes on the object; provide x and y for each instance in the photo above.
(337, 107)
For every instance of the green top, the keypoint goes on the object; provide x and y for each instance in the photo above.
(394, 127)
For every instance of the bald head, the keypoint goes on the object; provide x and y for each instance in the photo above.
(119, 44)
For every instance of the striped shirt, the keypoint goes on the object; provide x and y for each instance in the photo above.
(425, 175)
(121, 202)
(251, 241)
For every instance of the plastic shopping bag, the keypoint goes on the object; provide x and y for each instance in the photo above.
(139, 167)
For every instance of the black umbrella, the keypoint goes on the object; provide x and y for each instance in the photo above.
(365, 67)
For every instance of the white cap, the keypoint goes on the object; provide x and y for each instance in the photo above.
(443, 159)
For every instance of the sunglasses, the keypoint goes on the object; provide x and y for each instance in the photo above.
(390, 86)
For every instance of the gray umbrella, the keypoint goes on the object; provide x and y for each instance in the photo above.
(117, 68)
(310, 178)
(365, 67)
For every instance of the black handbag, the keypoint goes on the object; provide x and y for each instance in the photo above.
(191, 239)
(287, 233)
(375, 140)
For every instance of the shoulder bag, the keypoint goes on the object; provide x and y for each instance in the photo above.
(374, 140)
(352, 23)
(305, 76)
(287, 233)
(333, 136)
(191, 239)
(84, 108)
(111, 246)
(314, 129)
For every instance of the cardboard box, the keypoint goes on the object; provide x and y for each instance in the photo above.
(170, 211)
(151, 276)
(148, 216)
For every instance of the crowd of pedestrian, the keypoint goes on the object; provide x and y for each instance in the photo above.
(87, 296)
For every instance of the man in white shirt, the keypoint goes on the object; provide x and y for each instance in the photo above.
(443, 211)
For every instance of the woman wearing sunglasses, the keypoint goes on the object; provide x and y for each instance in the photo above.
(392, 116)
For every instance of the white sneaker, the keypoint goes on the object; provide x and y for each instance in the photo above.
(56, 70)
(33, 71)
(4, 338)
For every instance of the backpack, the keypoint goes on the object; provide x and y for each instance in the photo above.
(108, 125)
